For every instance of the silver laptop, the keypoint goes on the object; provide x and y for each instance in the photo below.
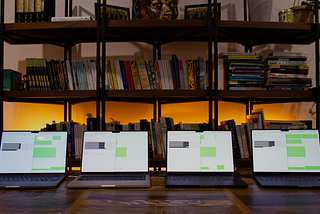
(286, 158)
(201, 159)
(32, 159)
(114, 159)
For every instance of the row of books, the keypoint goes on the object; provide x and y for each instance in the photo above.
(119, 74)
(34, 10)
(278, 71)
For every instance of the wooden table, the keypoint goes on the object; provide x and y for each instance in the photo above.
(158, 199)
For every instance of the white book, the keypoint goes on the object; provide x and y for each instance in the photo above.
(71, 18)
(294, 54)
(162, 75)
(169, 74)
(220, 81)
(118, 74)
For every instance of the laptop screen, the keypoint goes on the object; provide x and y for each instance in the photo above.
(107, 151)
(207, 151)
(33, 152)
(285, 151)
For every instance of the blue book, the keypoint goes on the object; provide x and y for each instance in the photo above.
(176, 71)
(124, 75)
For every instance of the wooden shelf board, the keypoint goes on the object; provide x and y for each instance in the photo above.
(151, 31)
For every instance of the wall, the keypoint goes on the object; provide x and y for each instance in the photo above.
(25, 116)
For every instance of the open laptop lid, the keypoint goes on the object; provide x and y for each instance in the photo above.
(33, 152)
(285, 151)
(115, 151)
(204, 151)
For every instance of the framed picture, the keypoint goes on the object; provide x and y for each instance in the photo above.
(200, 11)
(155, 9)
(114, 12)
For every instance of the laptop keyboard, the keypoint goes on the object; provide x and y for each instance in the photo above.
(202, 177)
(111, 177)
(24, 178)
(290, 178)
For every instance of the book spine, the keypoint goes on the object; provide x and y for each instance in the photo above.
(135, 75)
(232, 127)
(149, 74)
(175, 71)
(19, 11)
(73, 18)
(114, 76)
(124, 75)
(190, 74)
(145, 85)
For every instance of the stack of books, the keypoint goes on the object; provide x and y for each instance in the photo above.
(287, 71)
(243, 70)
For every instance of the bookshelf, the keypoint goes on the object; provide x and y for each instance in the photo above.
(155, 32)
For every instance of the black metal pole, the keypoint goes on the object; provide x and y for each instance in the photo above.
(103, 93)
(1, 63)
(316, 12)
(98, 66)
(211, 126)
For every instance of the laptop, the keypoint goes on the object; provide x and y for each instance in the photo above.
(286, 158)
(114, 159)
(201, 159)
(32, 159)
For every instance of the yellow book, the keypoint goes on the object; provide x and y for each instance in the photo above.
(141, 64)
(251, 57)
(135, 75)
(305, 67)
(190, 73)
(114, 76)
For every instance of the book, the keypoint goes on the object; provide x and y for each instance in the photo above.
(145, 85)
(304, 67)
(123, 75)
(135, 75)
(232, 127)
(202, 73)
(71, 18)
(118, 74)
(19, 16)
(260, 112)
(129, 74)
(175, 70)
(288, 80)
(251, 57)
(190, 74)
(113, 73)
(226, 54)
(284, 62)
(281, 54)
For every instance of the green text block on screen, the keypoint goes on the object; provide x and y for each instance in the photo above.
(201, 137)
(293, 136)
(56, 138)
(121, 152)
(44, 152)
(208, 152)
(58, 168)
(205, 167)
(220, 166)
(294, 141)
(296, 168)
(43, 142)
(310, 136)
(313, 167)
(296, 151)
